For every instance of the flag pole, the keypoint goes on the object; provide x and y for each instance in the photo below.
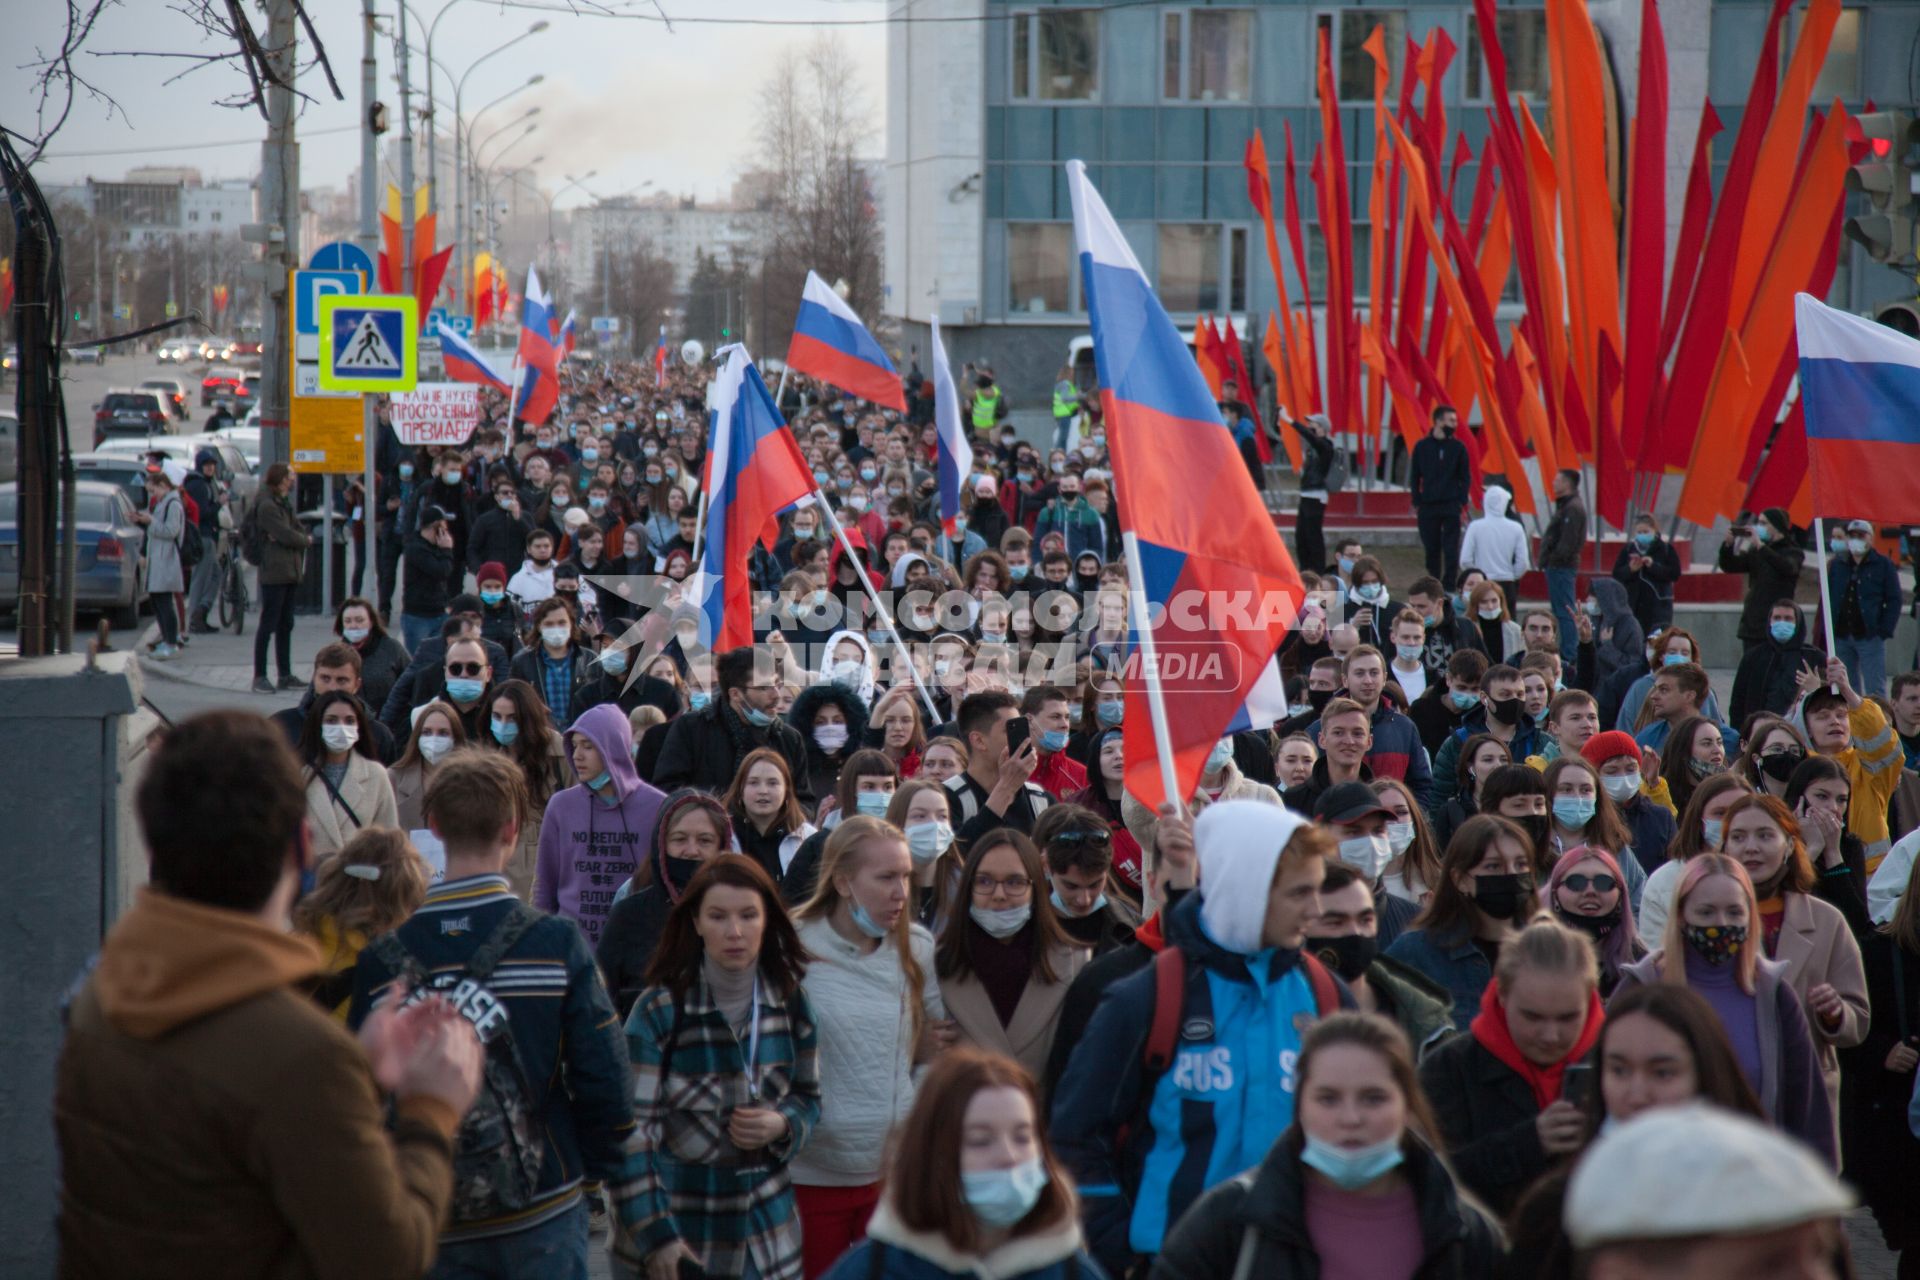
(846, 548)
(700, 520)
(1826, 598)
(1150, 675)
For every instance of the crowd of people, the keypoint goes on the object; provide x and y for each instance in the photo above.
(848, 953)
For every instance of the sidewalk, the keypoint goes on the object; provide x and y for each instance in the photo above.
(224, 661)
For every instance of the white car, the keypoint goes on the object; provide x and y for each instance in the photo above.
(177, 351)
(236, 468)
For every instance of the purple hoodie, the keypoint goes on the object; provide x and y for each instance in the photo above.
(588, 848)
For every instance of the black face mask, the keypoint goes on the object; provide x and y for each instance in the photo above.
(1503, 897)
(1780, 765)
(1507, 710)
(1348, 956)
(1535, 825)
(680, 871)
(1596, 927)
(1319, 698)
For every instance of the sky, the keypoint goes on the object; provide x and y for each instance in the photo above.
(622, 96)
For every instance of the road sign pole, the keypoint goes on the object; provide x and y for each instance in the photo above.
(326, 544)
(369, 239)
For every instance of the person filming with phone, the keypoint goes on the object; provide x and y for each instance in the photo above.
(994, 790)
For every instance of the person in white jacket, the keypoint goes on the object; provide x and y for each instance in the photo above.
(1496, 545)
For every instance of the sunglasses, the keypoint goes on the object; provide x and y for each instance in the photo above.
(1101, 836)
(1602, 883)
(466, 668)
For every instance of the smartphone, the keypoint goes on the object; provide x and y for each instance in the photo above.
(1740, 530)
(1576, 1084)
(1018, 731)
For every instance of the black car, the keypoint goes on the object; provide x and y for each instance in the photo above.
(131, 412)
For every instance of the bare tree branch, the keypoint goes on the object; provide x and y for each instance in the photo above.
(58, 77)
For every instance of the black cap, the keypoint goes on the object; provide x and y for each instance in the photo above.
(430, 516)
(464, 604)
(1348, 802)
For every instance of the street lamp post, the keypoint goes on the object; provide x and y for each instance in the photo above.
(459, 136)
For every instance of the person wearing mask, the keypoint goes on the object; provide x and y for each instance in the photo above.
(831, 720)
(1415, 864)
(1408, 668)
(1234, 948)
(995, 789)
(877, 1004)
(347, 787)
(1440, 480)
(1650, 825)
(1351, 1189)
(1047, 709)
(346, 908)
(690, 830)
(1877, 1081)
(559, 665)
(1496, 545)
(1853, 732)
(768, 824)
(866, 786)
(1369, 609)
(596, 833)
(382, 657)
(974, 1187)
(1078, 847)
(1766, 679)
(1712, 945)
(528, 983)
(1772, 751)
(1502, 715)
(1484, 898)
(283, 561)
(429, 581)
(1865, 589)
(1318, 455)
(1345, 938)
(726, 1085)
(436, 733)
(1647, 567)
(1445, 707)
(1069, 515)
(921, 809)
(1581, 813)
(1221, 779)
(987, 517)
(1700, 829)
(1765, 551)
(1587, 893)
(500, 534)
(533, 582)
(704, 748)
(301, 1144)
(1358, 821)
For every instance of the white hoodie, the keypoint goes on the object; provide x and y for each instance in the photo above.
(1495, 545)
(531, 585)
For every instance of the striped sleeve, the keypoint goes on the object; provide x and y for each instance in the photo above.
(1878, 750)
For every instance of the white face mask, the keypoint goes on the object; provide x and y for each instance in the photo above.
(339, 737)
(1004, 923)
(555, 637)
(1399, 836)
(1622, 786)
(1367, 855)
(435, 745)
(928, 840)
(830, 737)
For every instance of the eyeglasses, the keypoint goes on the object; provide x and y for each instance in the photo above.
(1101, 836)
(466, 668)
(1601, 883)
(984, 886)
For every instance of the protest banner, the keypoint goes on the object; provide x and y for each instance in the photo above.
(435, 413)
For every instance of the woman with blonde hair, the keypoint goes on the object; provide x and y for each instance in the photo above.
(368, 887)
(1712, 945)
(768, 824)
(874, 995)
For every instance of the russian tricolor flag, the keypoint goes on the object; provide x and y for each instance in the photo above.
(536, 358)
(754, 472)
(1860, 384)
(464, 363)
(566, 335)
(1219, 587)
(956, 455)
(830, 343)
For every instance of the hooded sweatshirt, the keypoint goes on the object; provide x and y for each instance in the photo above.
(590, 846)
(1494, 544)
(1618, 641)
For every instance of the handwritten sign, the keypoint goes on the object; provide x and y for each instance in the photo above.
(435, 413)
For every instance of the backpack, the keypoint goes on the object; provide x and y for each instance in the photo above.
(192, 545)
(253, 539)
(1169, 997)
(498, 1149)
(1337, 473)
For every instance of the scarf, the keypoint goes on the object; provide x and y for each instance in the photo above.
(1490, 1029)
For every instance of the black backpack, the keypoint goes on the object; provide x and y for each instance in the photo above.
(253, 539)
(498, 1149)
(192, 545)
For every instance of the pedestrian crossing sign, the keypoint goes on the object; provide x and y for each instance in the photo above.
(369, 342)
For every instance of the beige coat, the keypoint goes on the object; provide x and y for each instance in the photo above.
(365, 789)
(1816, 946)
(1028, 1039)
(409, 794)
(1142, 822)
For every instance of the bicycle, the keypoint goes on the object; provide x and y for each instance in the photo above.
(234, 601)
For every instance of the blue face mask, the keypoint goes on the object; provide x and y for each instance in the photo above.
(1643, 540)
(1002, 1197)
(1352, 1169)
(599, 780)
(406, 471)
(863, 920)
(1711, 829)
(465, 690)
(589, 455)
(1218, 757)
(1409, 652)
(1110, 713)
(1346, 565)
(699, 700)
(873, 804)
(1573, 812)
(615, 661)
(492, 597)
(1673, 659)
(1053, 739)
(1463, 701)
(867, 474)
(1060, 906)
(1782, 631)
(755, 716)
(505, 731)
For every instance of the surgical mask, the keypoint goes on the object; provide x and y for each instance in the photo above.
(830, 737)
(354, 635)
(1346, 565)
(600, 780)
(615, 661)
(1218, 757)
(1779, 765)
(847, 674)
(803, 532)
(673, 473)
(1370, 592)
(755, 716)
(406, 471)
(857, 502)
(1622, 787)
(873, 804)
(555, 637)
(1367, 855)
(1060, 905)
(589, 455)
(928, 840)
(868, 473)
(1002, 923)
(1352, 1169)
(1762, 533)
(339, 737)
(863, 920)
(1349, 956)
(1504, 897)
(698, 699)
(597, 503)
(650, 450)
(1054, 740)
(491, 598)
(1782, 632)
(1399, 837)
(1110, 713)
(1409, 652)
(1459, 602)
(464, 689)
(1643, 540)
(1674, 659)
(1489, 611)
(1715, 943)
(1711, 831)
(1857, 546)
(1573, 812)
(504, 731)
(1463, 701)
(435, 745)
(1002, 1197)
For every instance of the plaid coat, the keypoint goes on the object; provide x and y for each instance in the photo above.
(681, 1177)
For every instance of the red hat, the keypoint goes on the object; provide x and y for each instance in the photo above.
(492, 571)
(1602, 747)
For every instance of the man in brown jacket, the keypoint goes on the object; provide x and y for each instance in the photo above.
(212, 1121)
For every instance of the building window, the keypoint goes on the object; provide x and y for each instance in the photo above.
(1040, 262)
(1523, 37)
(1056, 54)
(216, 215)
(193, 216)
(1189, 266)
(1353, 65)
(1840, 74)
(1208, 55)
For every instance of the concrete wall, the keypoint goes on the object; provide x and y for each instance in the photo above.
(69, 862)
(936, 145)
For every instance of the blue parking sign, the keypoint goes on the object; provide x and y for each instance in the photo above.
(369, 343)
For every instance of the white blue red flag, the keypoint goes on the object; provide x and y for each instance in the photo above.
(536, 359)
(1219, 587)
(464, 363)
(956, 455)
(830, 343)
(660, 359)
(1860, 383)
(754, 472)
(566, 335)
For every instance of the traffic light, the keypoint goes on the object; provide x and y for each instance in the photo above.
(1886, 176)
(726, 333)
(1903, 317)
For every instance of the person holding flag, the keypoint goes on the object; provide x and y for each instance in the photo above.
(536, 359)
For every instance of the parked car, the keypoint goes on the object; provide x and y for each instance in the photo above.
(245, 438)
(173, 389)
(131, 411)
(125, 471)
(222, 380)
(108, 548)
(9, 444)
(235, 470)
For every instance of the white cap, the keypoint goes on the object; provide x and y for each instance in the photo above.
(575, 517)
(1239, 844)
(176, 471)
(1696, 1170)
